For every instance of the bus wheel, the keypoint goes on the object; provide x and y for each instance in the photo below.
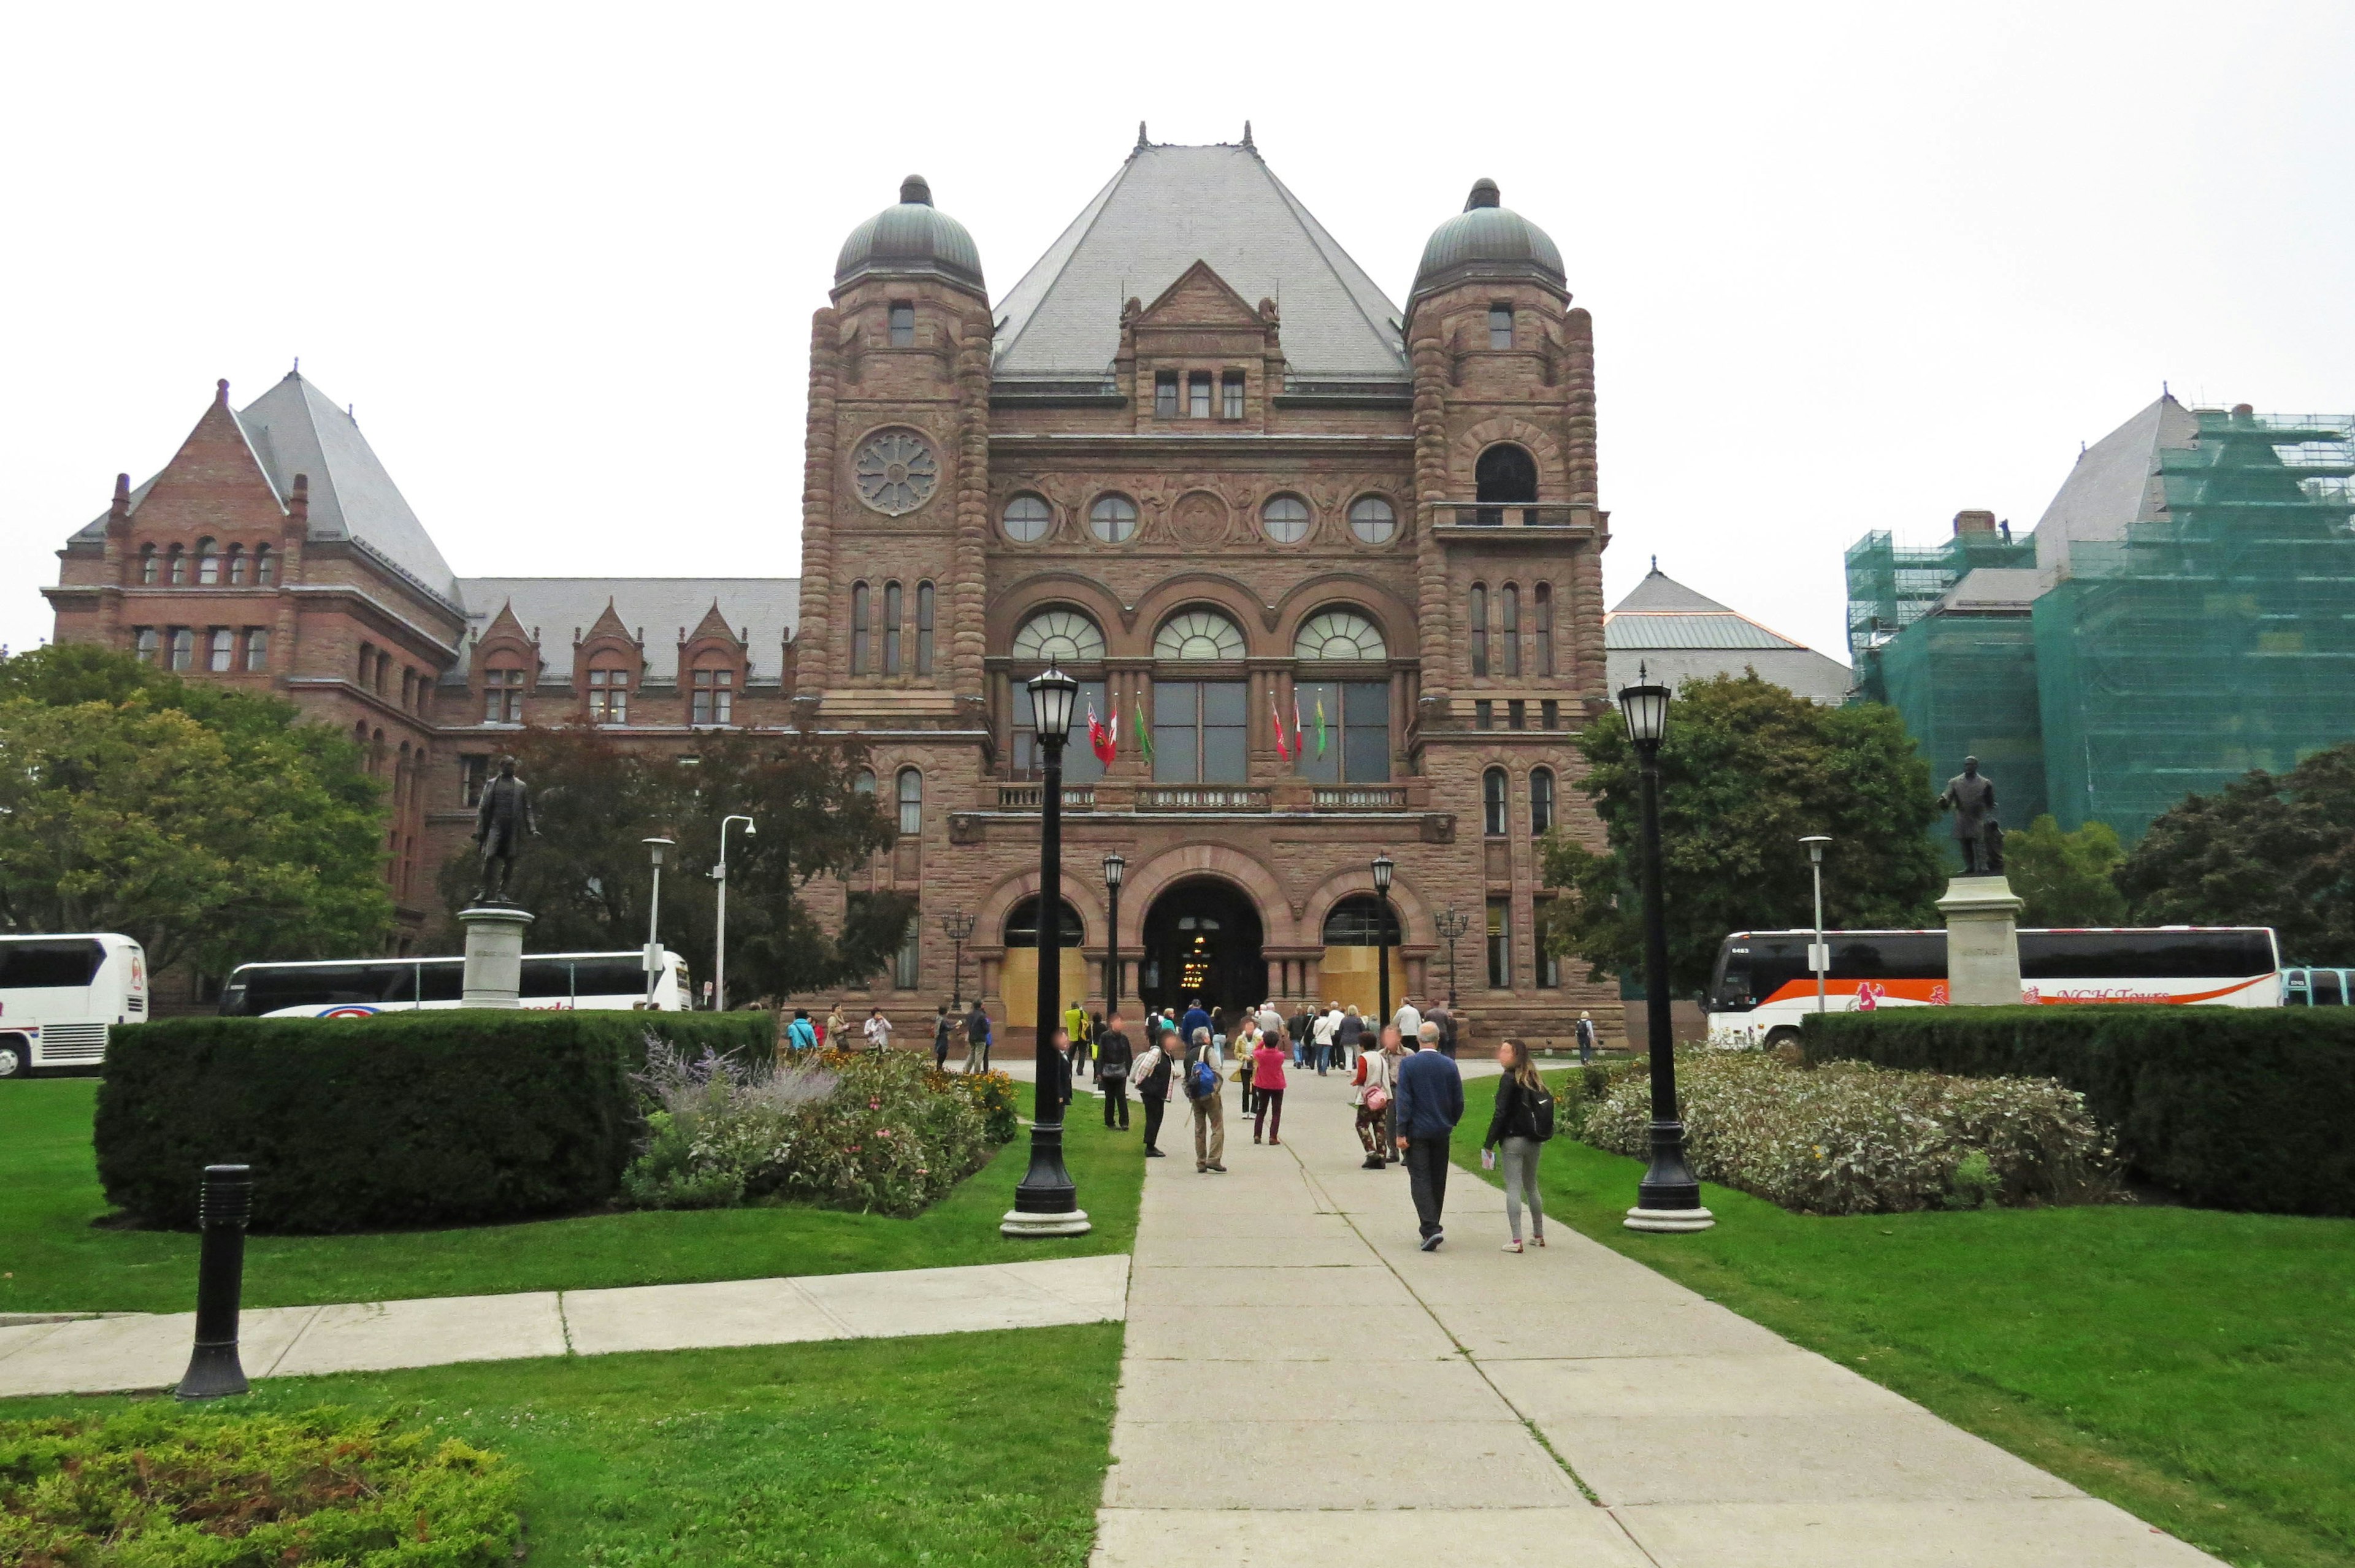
(16, 1059)
(1778, 1039)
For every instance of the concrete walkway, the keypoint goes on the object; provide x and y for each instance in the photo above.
(150, 1350)
(1303, 1386)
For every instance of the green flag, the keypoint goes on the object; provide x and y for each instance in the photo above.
(1143, 736)
(1320, 723)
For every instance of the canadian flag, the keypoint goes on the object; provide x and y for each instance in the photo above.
(1275, 716)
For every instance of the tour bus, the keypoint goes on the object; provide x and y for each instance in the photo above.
(355, 989)
(1763, 984)
(2305, 987)
(60, 997)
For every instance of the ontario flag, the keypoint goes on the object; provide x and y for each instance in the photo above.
(1275, 717)
(1103, 738)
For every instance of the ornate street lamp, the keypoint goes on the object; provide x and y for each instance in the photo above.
(1115, 868)
(1046, 1202)
(957, 925)
(1453, 923)
(1383, 867)
(1818, 959)
(653, 920)
(1668, 1198)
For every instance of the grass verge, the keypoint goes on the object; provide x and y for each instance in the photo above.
(983, 1449)
(2196, 1367)
(54, 1258)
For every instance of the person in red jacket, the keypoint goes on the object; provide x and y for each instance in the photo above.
(1267, 1080)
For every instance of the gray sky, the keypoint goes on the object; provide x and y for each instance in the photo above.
(1852, 269)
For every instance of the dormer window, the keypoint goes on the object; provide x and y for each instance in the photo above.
(1197, 395)
(503, 697)
(1501, 326)
(1165, 394)
(714, 696)
(609, 696)
(903, 324)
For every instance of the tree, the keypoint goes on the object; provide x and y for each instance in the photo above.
(213, 827)
(1748, 769)
(2066, 879)
(2263, 850)
(587, 877)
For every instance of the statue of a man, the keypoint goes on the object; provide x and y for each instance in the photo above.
(1970, 795)
(500, 825)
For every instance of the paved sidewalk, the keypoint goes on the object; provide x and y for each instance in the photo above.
(1303, 1386)
(150, 1350)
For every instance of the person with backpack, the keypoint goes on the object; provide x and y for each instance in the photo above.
(1205, 1078)
(1376, 1083)
(1517, 1135)
(800, 1034)
(1152, 1073)
(1114, 1058)
(976, 1039)
(1585, 1039)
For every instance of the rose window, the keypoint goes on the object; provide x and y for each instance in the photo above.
(895, 471)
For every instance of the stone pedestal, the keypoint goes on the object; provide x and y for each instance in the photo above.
(1982, 941)
(494, 954)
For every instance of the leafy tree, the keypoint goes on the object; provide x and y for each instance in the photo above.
(211, 825)
(1748, 769)
(587, 877)
(2066, 879)
(2263, 850)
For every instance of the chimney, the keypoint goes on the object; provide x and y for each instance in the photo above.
(1977, 526)
(121, 507)
(299, 503)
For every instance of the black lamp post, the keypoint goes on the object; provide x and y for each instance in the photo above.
(957, 925)
(1046, 1202)
(1453, 923)
(1383, 867)
(1114, 868)
(1668, 1198)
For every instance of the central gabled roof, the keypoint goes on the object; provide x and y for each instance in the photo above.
(1167, 208)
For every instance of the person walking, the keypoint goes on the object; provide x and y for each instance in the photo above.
(1396, 1049)
(879, 1032)
(1444, 1017)
(1303, 1024)
(1430, 1104)
(1349, 1038)
(799, 1035)
(976, 1038)
(1523, 1121)
(1586, 1040)
(1409, 1018)
(1114, 1058)
(1205, 1080)
(1075, 1024)
(1321, 1035)
(1376, 1080)
(1060, 1088)
(1242, 1051)
(1270, 1022)
(1267, 1065)
(942, 1026)
(838, 1031)
(1196, 1017)
(1153, 1071)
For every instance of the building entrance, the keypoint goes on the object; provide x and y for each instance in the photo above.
(1201, 940)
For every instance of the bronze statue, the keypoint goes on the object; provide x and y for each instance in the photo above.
(1970, 794)
(500, 826)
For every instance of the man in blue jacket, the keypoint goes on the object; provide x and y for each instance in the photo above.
(1430, 1102)
(1196, 1017)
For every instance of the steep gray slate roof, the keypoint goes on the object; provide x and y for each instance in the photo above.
(1678, 635)
(1167, 208)
(2114, 484)
(655, 607)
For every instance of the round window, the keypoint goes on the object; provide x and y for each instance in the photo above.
(1371, 519)
(1113, 518)
(1286, 517)
(895, 471)
(1027, 518)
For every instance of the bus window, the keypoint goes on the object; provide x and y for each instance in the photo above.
(2329, 988)
(2144, 954)
(443, 980)
(45, 965)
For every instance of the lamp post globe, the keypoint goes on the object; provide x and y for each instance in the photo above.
(1453, 923)
(1115, 868)
(1384, 869)
(957, 925)
(1046, 1203)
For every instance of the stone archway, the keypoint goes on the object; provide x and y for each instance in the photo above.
(1146, 882)
(1200, 940)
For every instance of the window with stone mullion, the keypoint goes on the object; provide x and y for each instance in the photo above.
(1080, 765)
(1200, 731)
(1357, 728)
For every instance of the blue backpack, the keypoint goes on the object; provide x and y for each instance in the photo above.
(1202, 1078)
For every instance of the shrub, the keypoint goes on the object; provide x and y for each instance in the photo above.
(2238, 1107)
(881, 1133)
(424, 1118)
(1850, 1138)
(156, 1485)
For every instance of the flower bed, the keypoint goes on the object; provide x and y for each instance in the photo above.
(880, 1133)
(1850, 1138)
(153, 1485)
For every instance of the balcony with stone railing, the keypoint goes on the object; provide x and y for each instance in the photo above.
(1514, 520)
(1031, 797)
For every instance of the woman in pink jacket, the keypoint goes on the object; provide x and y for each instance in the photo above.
(1267, 1083)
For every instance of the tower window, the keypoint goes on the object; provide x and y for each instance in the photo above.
(1542, 602)
(1197, 395)
(1230, 395)
(924, 614)
(1479, 629)
(912, 801)
(1500, 943)
(1509, 630)
(903, 325)
(1484, 714)
(1501, 326)
(1540, 802)
(892, 605)
(861, 613)
(1165, 394)
(1517, 714)
(1492, 803)
(1549, 714)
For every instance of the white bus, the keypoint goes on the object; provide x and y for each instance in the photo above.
(356, 989)
(1763, 985)
(61, 996)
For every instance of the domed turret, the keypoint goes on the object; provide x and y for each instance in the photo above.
(914, 240)
(1487, 240)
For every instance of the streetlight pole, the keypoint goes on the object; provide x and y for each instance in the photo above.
(653, 920)
(1383, 868)
(1818, 958)
(957, 925)
(1046, 1202)
(1453, 923)
(720, 946)
(1668, 1198)
(1114, 868)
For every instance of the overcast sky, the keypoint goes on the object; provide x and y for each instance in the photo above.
(1849, 269)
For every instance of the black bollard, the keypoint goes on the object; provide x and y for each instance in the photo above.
(228, 1203)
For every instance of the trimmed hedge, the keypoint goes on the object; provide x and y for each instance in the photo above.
(2232, 1107)
(425, 1118)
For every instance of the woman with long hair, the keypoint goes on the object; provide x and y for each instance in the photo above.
(1515, 1140)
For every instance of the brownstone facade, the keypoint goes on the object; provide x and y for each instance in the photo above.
(1215, 508)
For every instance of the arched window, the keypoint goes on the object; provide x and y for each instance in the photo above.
(1197, 634)
(1022, 924)
(175, 566)
(1027, 518)
(237, 564)
(265, 565)
(184, 648)
(1540, 802)
(1113, 518)
(1059, 637)
(713, 696)
(367, 663)
(1361, 919)
(893, 603)
(1479, 629)
(1501, 325)
(912, 801)
(924, 628)
(1541, 596)
(1336, 635)
(609, 696)
(502, 696)
(865, 783)
(862, 611)
(1372, 519)
(1492, 803)
(207, 563)
(1285, 519)
(148, 566)
(1505, 473)
(1509, 628)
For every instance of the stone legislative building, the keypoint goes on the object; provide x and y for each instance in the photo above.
(1328, 570)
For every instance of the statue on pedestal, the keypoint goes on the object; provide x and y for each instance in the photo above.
(501, 824)
(1970, 795)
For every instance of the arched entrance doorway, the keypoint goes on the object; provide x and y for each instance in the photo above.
(1201, 939)
(1017, 977)
(1351, 973)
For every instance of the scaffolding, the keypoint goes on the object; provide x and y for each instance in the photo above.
(1890, 586)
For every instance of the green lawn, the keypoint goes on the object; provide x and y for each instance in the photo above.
(2195, 1368)
(965, 1448)
(54, 1259)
